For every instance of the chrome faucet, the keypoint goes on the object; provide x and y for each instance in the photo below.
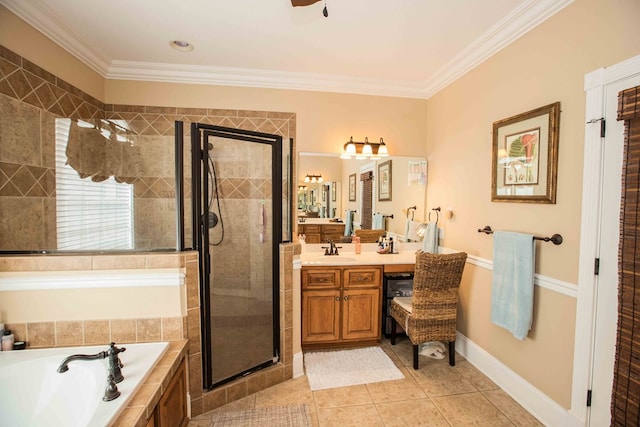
(115, 368)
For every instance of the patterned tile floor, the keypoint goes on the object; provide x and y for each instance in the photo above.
(434, 395)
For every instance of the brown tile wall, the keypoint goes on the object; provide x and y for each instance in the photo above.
(30, 100)
(31, 94)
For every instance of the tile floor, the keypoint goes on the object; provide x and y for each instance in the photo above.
(434, 395)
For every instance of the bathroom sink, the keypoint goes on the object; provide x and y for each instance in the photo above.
(333, 259)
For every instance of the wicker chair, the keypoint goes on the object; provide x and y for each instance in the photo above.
(431, 314)
(369, 236)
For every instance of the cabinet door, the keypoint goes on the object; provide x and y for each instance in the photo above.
(360, 314)
(362, 277)
(320, 316)
(172, 408)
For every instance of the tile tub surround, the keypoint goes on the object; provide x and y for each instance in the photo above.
(144, 401)
(94, 331)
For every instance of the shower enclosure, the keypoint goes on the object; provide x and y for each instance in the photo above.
(237, 211)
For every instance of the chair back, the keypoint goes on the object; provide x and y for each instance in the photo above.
(436, 284)
(369, 236)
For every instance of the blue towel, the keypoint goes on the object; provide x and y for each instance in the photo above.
(348, 222)
(512, 286)
(430, 240)
(378, 222)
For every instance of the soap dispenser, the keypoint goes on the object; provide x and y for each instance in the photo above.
(7, 340)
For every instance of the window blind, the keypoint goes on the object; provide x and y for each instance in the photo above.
(90, 215)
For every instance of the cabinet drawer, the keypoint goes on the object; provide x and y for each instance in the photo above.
(333, 229)
(362, 277)
(320, 278)
(311, 228)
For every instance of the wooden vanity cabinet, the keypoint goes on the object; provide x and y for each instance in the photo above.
(341, 305)
(321, 233)
(172, 408)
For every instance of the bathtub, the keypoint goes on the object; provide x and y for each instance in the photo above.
(33, 393)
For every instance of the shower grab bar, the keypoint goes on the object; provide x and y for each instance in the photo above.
(556, 239)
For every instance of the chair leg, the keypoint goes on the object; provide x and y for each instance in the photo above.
(415, 357)
(393, 331)
(452, 353)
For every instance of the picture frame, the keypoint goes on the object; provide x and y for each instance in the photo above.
(384, 181)
(333, 191)
(525, 156)
(352, 187)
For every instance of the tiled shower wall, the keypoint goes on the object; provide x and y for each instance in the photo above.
(30, 100)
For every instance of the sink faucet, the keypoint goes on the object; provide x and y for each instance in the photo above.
(332, 249)
(115, 368)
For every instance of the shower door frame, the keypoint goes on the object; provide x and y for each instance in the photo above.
(200, 222)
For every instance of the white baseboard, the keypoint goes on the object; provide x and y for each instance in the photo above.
(298, 365)
(533, 400)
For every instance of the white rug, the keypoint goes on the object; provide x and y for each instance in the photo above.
(331, 369)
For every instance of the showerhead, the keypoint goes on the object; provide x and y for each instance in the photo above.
(209, 146)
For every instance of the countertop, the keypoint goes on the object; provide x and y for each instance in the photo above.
(313, 255)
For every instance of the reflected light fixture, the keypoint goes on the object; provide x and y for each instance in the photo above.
(364, 150)
(313, 178)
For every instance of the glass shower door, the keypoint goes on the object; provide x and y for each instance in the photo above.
(240, 213)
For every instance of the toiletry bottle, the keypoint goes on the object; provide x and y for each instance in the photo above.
(358, 246)
(7, 340)
(390, 245)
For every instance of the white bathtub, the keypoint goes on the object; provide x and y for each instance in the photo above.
(33, 393)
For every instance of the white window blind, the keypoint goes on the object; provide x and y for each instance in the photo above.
(90, 215)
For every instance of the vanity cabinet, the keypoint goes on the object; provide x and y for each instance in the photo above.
(172, 407)
(321, 233)
(341, 305)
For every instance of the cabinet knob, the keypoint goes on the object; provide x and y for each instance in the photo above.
(346, 298)
(337, 298)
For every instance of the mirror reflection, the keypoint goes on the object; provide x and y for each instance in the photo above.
(377, 193)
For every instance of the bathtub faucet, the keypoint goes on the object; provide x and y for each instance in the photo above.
(115, 364)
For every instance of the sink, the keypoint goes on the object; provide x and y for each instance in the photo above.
(333, 258)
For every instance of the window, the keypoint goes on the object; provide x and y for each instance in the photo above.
(90, 215)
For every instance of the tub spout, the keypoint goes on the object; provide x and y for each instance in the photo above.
(64, 366)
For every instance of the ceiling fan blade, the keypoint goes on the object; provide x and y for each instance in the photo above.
(295, 3)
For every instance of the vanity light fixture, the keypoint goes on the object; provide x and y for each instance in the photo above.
(302, 188)
(313, 178)
(364, 150)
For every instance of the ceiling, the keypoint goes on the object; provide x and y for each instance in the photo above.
(405, 48)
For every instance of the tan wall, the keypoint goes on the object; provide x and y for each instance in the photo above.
(325, 121)
(546, 65)
(20, 37)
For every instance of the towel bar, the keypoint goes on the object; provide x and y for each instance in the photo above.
(556, 239)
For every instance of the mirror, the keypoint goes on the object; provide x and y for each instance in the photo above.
(406, 188)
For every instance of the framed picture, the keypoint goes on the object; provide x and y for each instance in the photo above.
(384, 181)
(333, 191)
(525, 156)
(352, 187)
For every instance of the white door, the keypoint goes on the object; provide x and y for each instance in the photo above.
(606, 314)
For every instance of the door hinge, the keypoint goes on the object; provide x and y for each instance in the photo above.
(603, 125)
(596, 266)
(588, 397)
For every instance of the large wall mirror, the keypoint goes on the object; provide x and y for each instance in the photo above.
(399, 182)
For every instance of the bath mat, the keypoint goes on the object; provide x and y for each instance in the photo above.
(282, 416)
(331, 369)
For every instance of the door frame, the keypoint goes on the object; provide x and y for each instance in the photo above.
(200, 132)
(594, 86)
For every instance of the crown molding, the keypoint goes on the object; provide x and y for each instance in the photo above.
(246, 77)
(40, 16)
(520, 21)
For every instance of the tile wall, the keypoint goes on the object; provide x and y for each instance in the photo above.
(28, 95)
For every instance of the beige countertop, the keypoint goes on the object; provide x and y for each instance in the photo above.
(313, 255)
